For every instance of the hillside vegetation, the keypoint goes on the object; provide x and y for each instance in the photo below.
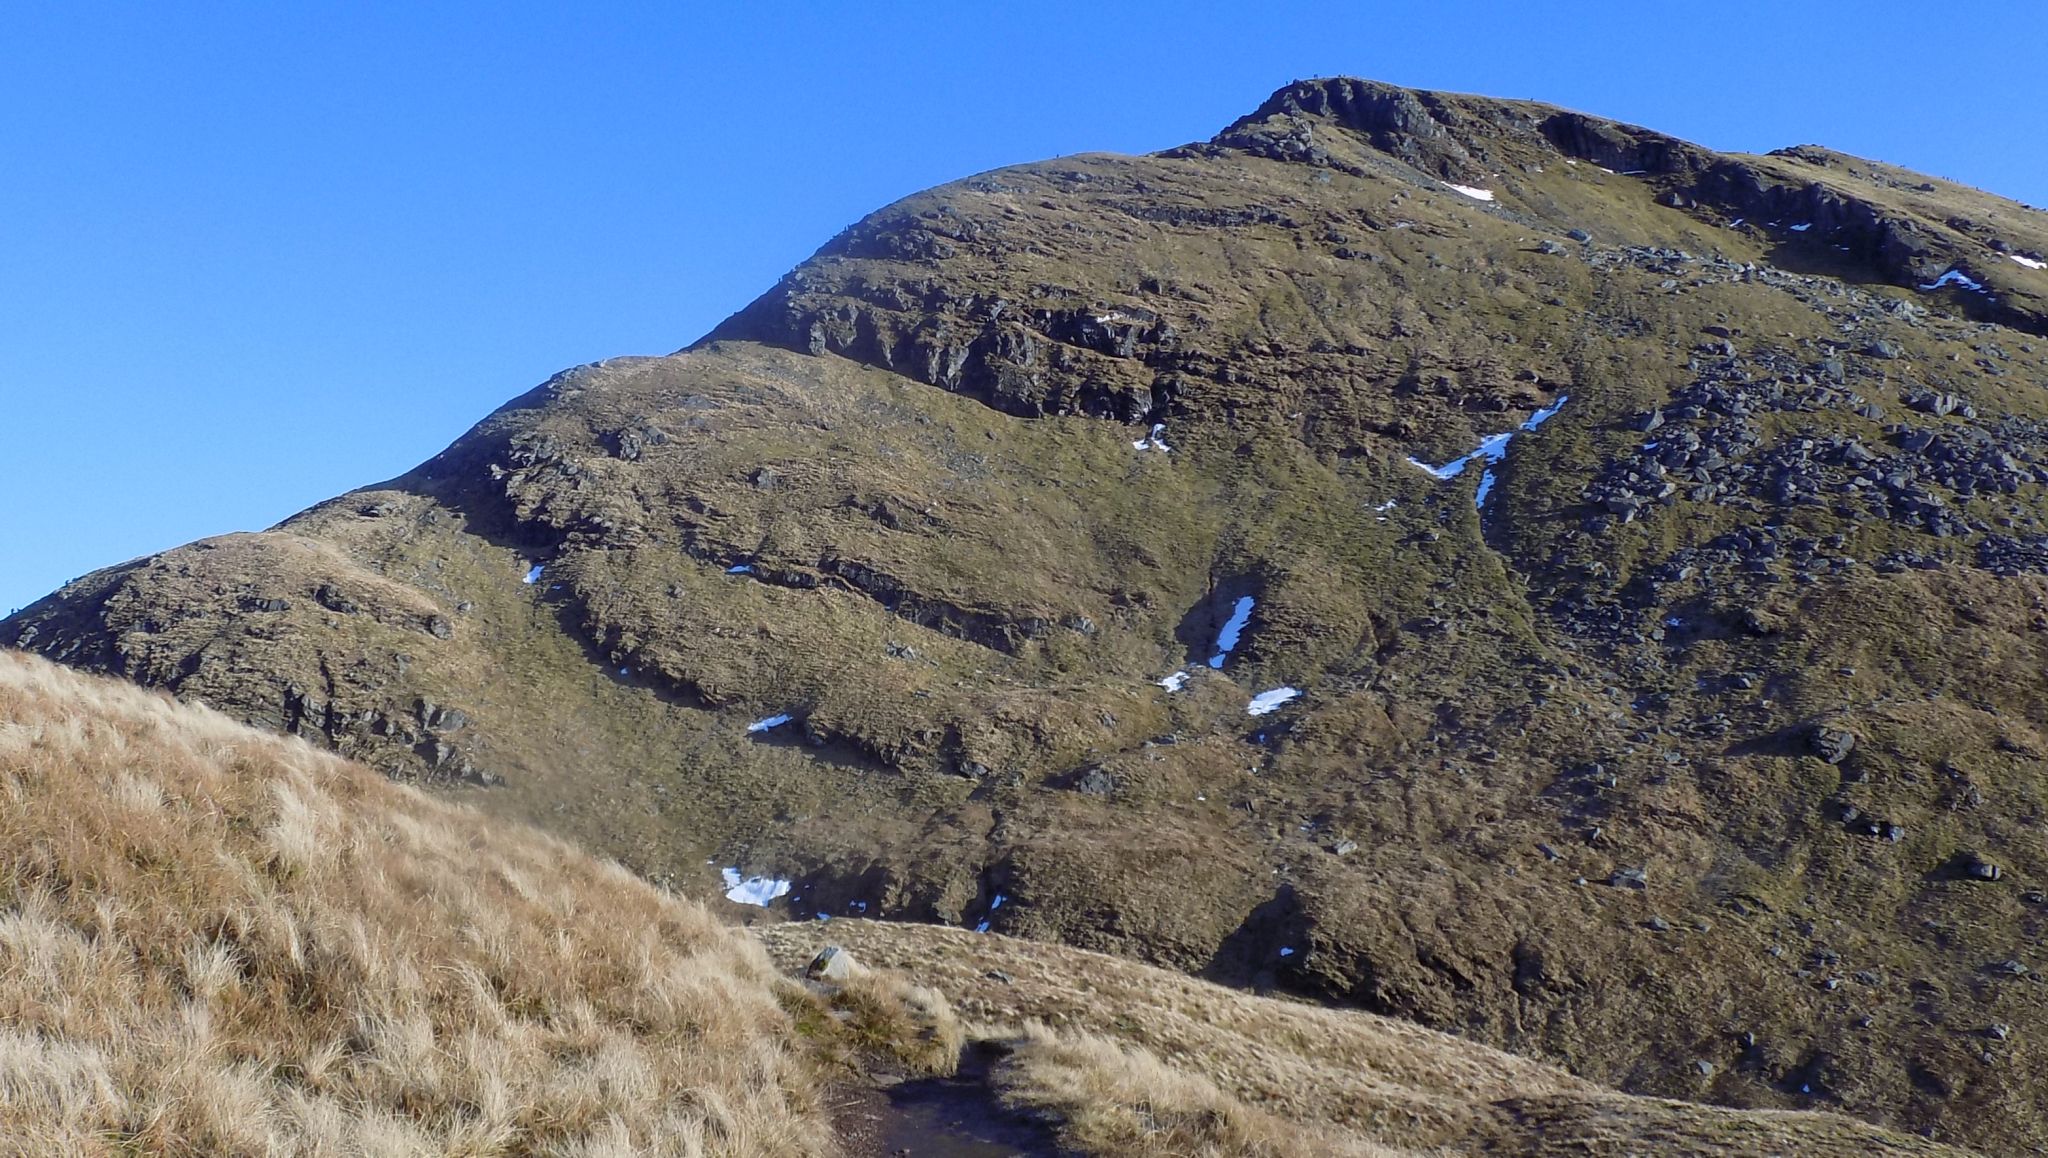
(218, 942)
(1637, 556)
(215, 941)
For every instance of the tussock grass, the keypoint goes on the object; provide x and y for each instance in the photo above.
(213, 941)
(1121, 1099)
(912, 1023)
(1128, 1059)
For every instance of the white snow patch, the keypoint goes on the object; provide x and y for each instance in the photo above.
(1491, 448)
(1270, 701)
(1286, 951)
(753, 890)
(1226, 639)
(2029, 262)
(740, 569)
(533, 575)
(1384, 507)
(1736, 222)
(1954, 277)
(1448, 470)
(1469, 191)
(763, 725)
(1153, 441)
(1547, 413)
(1802, 228)
(1175, 682)
(993, 906)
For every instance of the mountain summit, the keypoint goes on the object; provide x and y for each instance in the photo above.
(1461, 558)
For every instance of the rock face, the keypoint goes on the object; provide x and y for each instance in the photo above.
(1565, 472)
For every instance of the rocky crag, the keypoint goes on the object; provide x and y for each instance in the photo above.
(1651, 540)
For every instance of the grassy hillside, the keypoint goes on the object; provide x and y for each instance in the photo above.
(216, 941)
(1695, 742)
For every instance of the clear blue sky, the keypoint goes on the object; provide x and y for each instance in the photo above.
(254, 254)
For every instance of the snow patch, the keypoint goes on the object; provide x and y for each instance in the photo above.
(1954, 277)
(753, 890)
(1547, 413)
(1226, 639)
(763, 725)
(1270, 701)
(2029, 262)
(1175, 682)
(1153, 441)
(1286, 951)
(1491, 448)
(533, 575)
(1469, 191)
(740, 569)
(1802, 228)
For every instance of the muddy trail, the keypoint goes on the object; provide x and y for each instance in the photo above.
(953, 1117)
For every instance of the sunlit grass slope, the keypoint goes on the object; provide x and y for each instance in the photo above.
(213, 941)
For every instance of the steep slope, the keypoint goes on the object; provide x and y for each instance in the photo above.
(214, 941)
(218, 941)
(1696, 720)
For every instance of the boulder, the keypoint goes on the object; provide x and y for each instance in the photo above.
(833, 964)
(1831, 744)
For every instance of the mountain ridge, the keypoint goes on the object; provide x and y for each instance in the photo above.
(1568, 714)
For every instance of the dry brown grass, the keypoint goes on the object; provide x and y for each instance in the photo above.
(913, 1024)
(1144, 1061)
(1120, 1099)
(217, 942)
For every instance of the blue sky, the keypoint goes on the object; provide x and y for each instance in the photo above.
(252, 255)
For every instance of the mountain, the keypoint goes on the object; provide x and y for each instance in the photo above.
(218, 941)
(1559, 583)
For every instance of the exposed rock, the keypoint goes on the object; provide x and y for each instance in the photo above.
(1831, 744)
(833, 964)
(1976, 868)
